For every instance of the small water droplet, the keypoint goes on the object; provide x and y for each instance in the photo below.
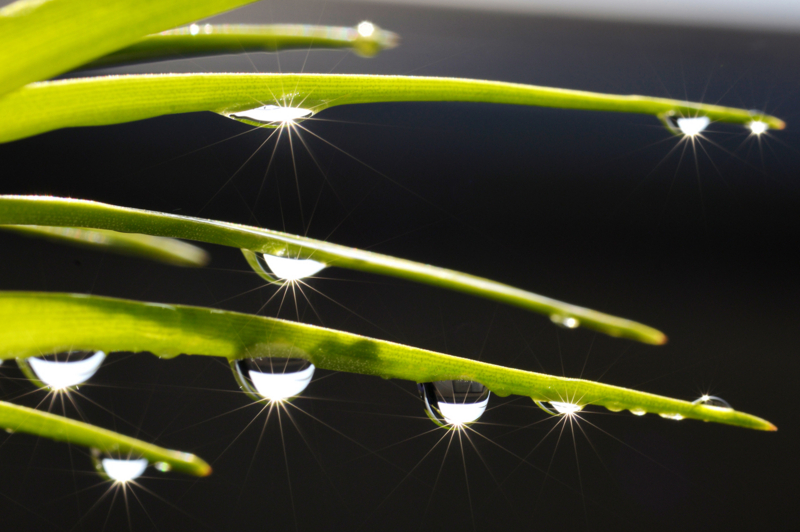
(685, 125)
(276, 269)
(271, 115)
(676, 417)
(366, 29)
(10, 431)
(614, 407)
(272, 378)
(565, 321)
(208, 29)
(63, 370)
(714, 401)
(757, 127)
(638, 411)
(118, 468)
(454, 403)
(162, 467)
(194, 29)
(559, 407)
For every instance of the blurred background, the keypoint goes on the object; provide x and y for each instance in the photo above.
(608, 211)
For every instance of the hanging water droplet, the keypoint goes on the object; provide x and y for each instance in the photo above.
(271, 115)
(713, 401)
(194, 29)
(757, 127)
(614, 407)
(277, 269)
(118, 468)
(676, 417)
(565, 321)
(638, 411)
(62, 370)
(685, 125)
(272, 378)
(454, 403)
(163, 467)
(366, 29)
(559, 407)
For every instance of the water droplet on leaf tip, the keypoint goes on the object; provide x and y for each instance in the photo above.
(713, 401)
(273, 378)
(757, 127)
(567, 322)
(271, 115)
(280, 269)
(685, 125)
(366, 29)
(62, 371)
(454, 403)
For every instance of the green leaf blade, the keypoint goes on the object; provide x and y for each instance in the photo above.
(18, 418)
(40, 39)
(35, 323)
(51, 211)
(46, 106)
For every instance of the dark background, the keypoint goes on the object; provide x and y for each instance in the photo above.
(602, 210)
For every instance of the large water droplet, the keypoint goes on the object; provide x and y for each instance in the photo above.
(757, 127)
(366, 29)
(454, 403)
(565, 321)
(559, 407)
(271, 115)
(63, 370)
(714, 401)
(638, 411)
(118, 468)
(676, 417)
(685, 125)
(272, 378)
(276, 269)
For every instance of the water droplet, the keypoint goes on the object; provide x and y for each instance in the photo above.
(10, 431)
(638, 411)
(162, 467)
(366, 29)
(614, 407)
(277, 269)
(272, 378)
(714, 401)
(560, 407)
(208, 29)
(685, 125)
(454, 403)
(63, 370)
(194, 29)
(271, 115)
(757, 127)
(565, 321)
(118, 468)
(676, 417)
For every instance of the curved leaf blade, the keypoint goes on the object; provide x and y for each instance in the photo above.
(40, 39)
(46, 210)
(166, 250)
(35, 323)
(218, 39)
(45, 106)
(18, 418)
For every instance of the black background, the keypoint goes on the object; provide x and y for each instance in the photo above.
(598, 209)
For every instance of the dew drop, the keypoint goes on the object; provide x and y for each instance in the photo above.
(62, 370)
(163, 467)
(194, 29)
(366, 29)
(454, 403)
(118, 468)
(757, 127)
(272, 378)
(277, 269)
(614, 407)
(714, 401)
(676, 417)
(689, 126)
(559, 407)
(271, 115)
(638, 411)
(567, 322)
